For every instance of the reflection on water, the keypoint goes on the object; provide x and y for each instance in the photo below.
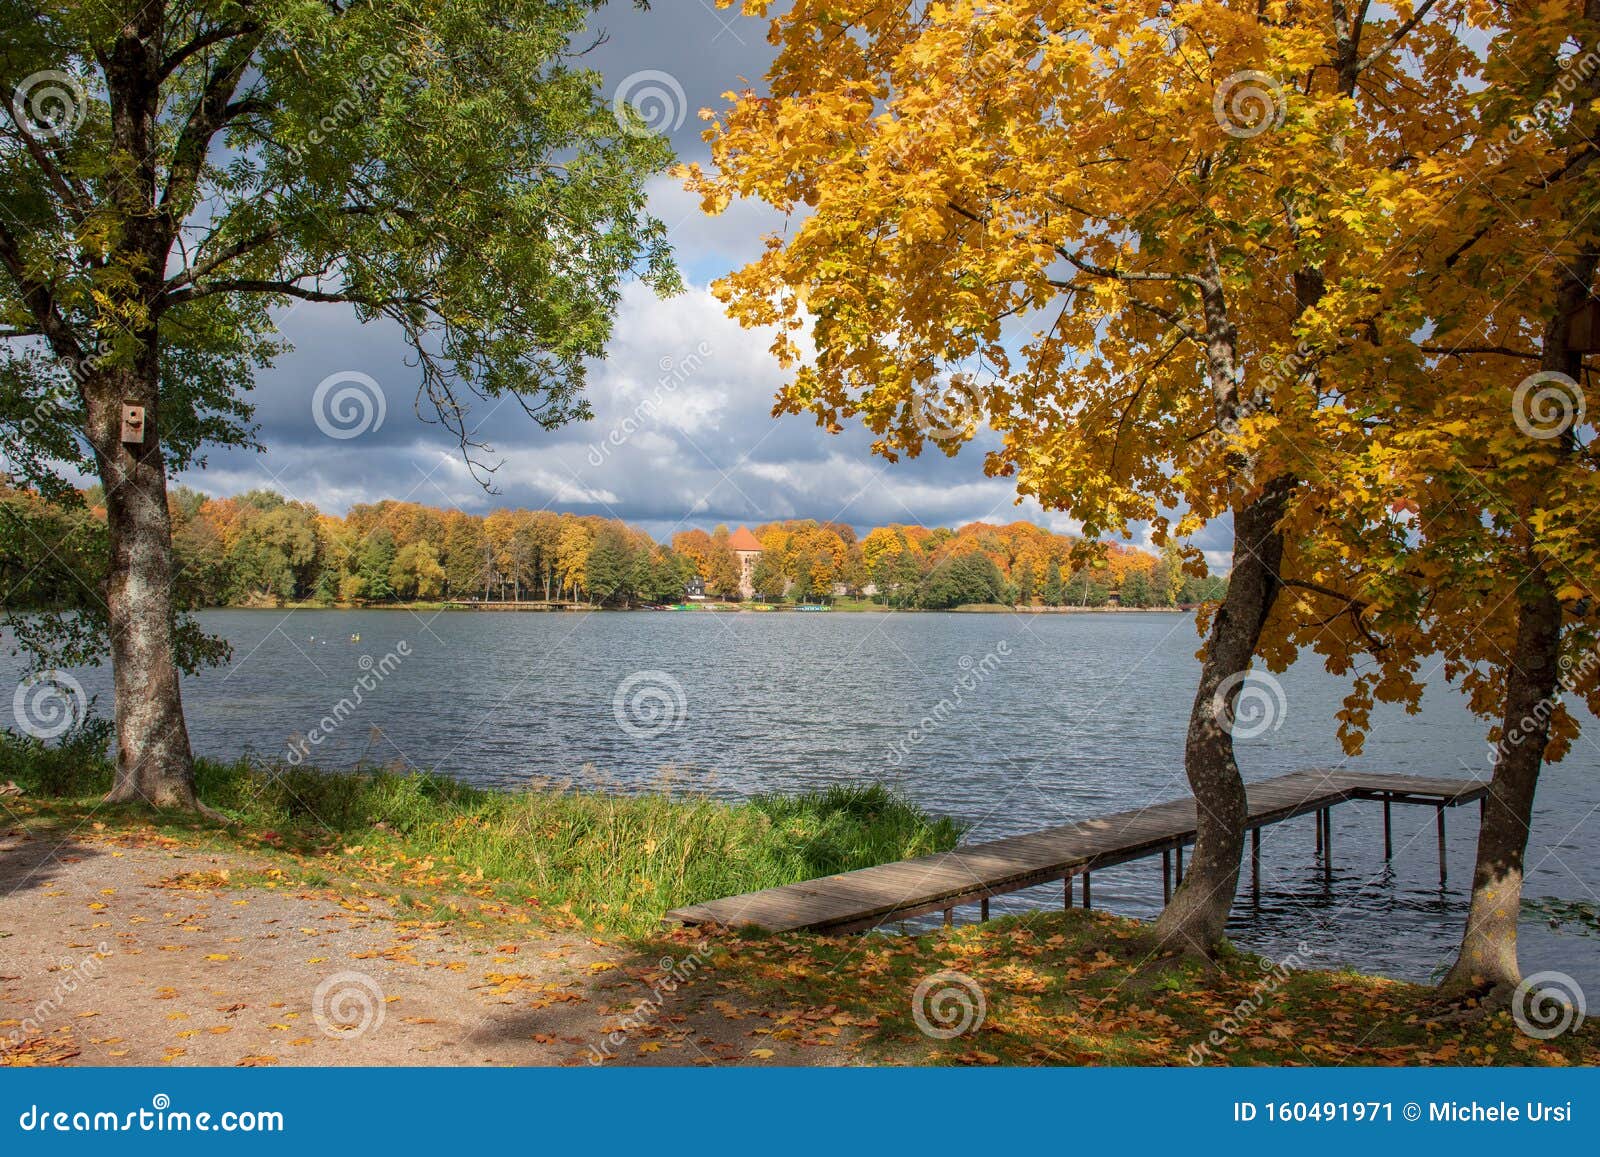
(1011, 723)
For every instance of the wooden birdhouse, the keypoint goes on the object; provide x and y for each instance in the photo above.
(132, 424)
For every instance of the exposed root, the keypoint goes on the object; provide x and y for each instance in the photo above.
(1456, 1003)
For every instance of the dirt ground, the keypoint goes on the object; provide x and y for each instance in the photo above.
(112, 953)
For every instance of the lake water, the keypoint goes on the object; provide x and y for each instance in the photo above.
(1045, 719)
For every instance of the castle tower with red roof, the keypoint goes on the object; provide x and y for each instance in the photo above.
(746, 548)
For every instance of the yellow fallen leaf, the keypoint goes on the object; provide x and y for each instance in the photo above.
(762, 1053)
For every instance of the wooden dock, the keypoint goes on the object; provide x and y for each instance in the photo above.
(865, 899)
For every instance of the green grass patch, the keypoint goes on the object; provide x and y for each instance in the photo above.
(611, 862)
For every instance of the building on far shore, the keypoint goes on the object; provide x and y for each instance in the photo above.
(746, 548)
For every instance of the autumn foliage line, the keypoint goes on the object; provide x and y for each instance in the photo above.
(1324, 271)
(261, 549)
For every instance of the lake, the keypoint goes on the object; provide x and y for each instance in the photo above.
(1044, 719)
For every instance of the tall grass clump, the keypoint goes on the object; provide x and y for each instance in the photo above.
(611, 861)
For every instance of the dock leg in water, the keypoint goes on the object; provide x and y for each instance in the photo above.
(1388, 833)
(1255, 865)
(1327, 845)
(1166, 877)
(1087, 902)
(1443, 872)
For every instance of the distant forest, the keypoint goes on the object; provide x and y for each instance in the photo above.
(261, 549)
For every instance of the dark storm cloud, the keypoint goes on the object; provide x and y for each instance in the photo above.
(683, 433)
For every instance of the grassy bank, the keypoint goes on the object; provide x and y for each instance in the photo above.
(1072, 988)
(611, 862)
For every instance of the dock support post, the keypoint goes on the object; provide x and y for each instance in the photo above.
(1318, 815)
(1443, 873)
(1087, 902)
(1327, 845)
(983, 909)
(1388, 831)
(1066, 892)
(949, 917)
(1180, 862)
(1166, 876)
(1255, 865)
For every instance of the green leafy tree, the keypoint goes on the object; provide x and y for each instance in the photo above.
(465, 558)
(377, 557)
(609, 572)
(967, 578)
(1088, 588)
(448, 167)
(416, 572)
(906, 580)
(767, 577)
(1136, 590)
(274, 553)
(1052, 584)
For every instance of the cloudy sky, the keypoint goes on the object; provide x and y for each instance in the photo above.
(700, 449)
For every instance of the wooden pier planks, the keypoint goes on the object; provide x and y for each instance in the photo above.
(860, 900)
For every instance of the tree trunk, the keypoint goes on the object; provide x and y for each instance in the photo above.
(1195, 919)
(1488, 955)
(154, 763)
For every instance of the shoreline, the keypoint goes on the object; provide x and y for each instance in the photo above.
(444, 921)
